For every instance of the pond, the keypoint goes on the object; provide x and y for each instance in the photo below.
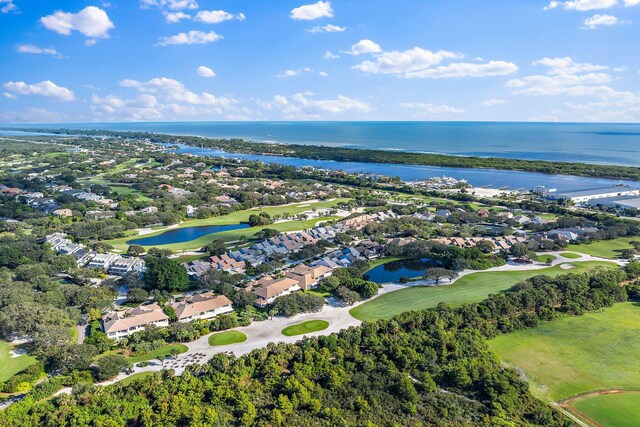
(394, 270)
(186, 234)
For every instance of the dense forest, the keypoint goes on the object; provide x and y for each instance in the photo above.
(421, 368)
(342, 154)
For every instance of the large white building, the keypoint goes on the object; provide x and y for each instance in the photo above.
(585, 196)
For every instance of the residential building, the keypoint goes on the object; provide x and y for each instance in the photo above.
(120, 324)
(308, 277)
(202, 306)
(102, 261)
(63, 212)
(121, 266)
(268, 289)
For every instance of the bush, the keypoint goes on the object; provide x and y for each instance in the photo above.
(290, 305)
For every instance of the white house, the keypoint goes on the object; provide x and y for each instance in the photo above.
(120, 324)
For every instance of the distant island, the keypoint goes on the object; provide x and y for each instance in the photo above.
(341, 154)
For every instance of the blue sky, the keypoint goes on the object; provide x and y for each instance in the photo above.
(158, 60)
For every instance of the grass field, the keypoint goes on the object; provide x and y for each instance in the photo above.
(545, 258)
(605, 248)
(9, 366)
(578, 354)
(305, 327)
(162, 351)
(236, 218)
(226, 338)
(570, 255)
(134, 377)
(122, 189)
(471, 288)
(611, 410)
(189, 258)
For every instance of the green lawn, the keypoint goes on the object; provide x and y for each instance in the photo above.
(546, 257)
(9, 366)
(305, 327)
(471, 288)
(122, 189)
(605, 248)
(189, 258)
(578, 354)
(162, 351)
(134, 377)
(226, 338)
(570, 255)
(236, 218)
(611, 410)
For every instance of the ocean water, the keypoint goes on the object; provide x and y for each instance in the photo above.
(598, 143)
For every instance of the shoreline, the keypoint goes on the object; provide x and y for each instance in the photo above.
(365, 155)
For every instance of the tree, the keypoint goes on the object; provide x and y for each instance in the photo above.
(215, 247)
(262, 218)
(632, 269)
(110, 365)
(99, 340)
(244, 299)
(292, 304)
(439, 273)
(267, 233)
(347, 296)
(135, 250)
(368, 289)
(137, 295)
(521, 251)
(73, 357)
(486, 246)
(165, 274)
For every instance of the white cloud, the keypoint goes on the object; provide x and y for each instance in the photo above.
(8, 6)
(492, 102)
(175, 17)
(598, 20)
(421, 63)
(162, 99)
(564, 76)
(90, 21)
(296, 72)
(175, 91)
(329, 28)
(411, 60)
(300, 106)
(205, 71)
(431, 109)
(465, 69)
(629, 3)
(9, 95)
(323, 74)
(309, 12)
(192, 37)
(32, 115)
(583, 5)
(29, 48)
(330, 55)
(566, 65)
(169, 4)
(45, 88)
(217, 16)
(364, 46)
